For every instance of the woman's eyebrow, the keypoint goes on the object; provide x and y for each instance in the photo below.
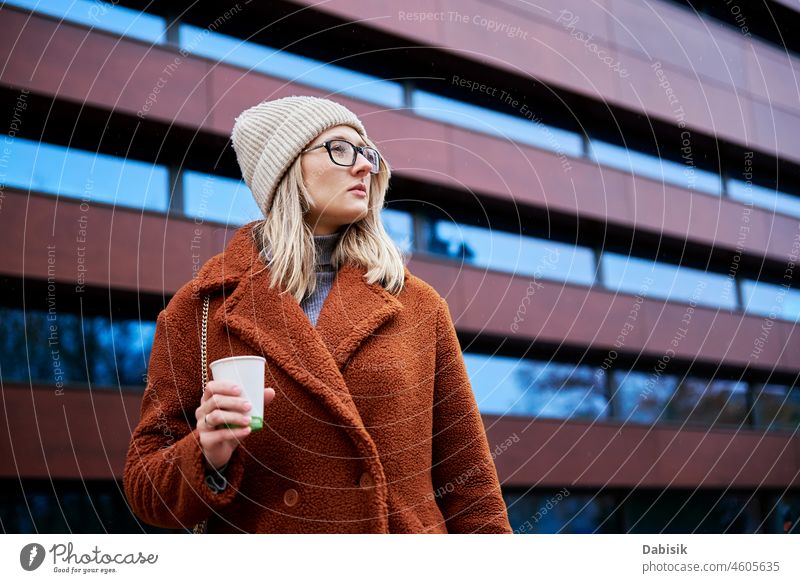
(361, 143)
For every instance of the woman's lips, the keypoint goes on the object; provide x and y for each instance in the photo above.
(358, 192)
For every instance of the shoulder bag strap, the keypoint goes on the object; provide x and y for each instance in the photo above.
(200, 527)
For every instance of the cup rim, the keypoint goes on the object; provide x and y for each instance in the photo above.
(243, 357)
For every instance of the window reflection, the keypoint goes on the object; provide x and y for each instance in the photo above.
(653, 398)
(783, 513)
(627, 274)
(68, 506)
(93, 349)
(698, 511)
(508, 386)
(663, 170)
(81, 174)
(218, 198)
(767, 299)
(709, 402)
(642, 397)
(102, 15)
(503, 251)
(766, 198)
(562, 511)
(295, 68)
(525, 130)
(777, 407)
(400, 227)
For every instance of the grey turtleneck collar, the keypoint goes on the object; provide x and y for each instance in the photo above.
(325, 245)
(324, 274)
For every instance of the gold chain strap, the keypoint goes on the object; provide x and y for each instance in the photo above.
(200, 527)
(203, 341)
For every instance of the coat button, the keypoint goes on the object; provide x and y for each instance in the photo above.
(366, 480)
(290, 497)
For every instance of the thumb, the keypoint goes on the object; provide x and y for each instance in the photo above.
(269, 394)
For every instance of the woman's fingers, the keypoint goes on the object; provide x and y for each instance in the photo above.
(226, 402)
(220, 416)
(220, 388)
(221, 404)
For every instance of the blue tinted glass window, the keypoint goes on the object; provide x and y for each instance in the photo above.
(564, 511)
(633, 275)
(102, 15)
(86, 175)
(777, 407)
(645, 165)
(783, 512)
(517, 254)
(285, 65)
(709, 402)
(400, 226)
(218, 198)
(81, 506)
(509, 386)
(526, 130)
(653, 398)
(642, 397)
(63, 349)
(766, 198)
(769, 299)
(696, 511)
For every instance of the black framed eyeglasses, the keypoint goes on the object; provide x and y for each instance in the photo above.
(343, 153)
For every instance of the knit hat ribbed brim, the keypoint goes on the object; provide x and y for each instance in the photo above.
(269, 136)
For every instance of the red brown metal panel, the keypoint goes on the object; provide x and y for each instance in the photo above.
(675, 35)
(703, 107)
(776, 125)
(72, 434)
(768, 68)
(123, 249)
(56, 58)
(552, 453)
(789, 339)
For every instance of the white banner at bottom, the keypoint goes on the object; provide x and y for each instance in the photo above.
(348, 558)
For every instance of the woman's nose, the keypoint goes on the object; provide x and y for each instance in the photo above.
(362, 164)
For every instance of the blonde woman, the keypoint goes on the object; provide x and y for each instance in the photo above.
(370, 424)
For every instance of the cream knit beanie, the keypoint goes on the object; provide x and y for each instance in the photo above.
(269, 136)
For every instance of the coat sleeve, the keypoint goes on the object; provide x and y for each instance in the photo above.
(464, 475)
(164, 474)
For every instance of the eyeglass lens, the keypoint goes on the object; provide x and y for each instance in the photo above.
(344, 153)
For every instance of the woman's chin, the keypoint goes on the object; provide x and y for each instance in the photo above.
(356, 212)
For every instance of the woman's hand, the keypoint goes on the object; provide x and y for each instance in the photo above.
(219, 405)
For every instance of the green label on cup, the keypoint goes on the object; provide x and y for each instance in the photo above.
(256, 424)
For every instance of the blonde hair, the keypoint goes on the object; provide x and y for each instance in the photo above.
(286, 242)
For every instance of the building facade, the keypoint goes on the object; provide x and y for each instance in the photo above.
(607, 193)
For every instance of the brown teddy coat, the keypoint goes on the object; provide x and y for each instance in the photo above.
(373, 428)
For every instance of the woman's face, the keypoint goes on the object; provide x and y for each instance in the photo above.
(335, 202)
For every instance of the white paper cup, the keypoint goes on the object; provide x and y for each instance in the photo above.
(248, 373)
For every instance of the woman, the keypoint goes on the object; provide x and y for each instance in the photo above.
(370, 425)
